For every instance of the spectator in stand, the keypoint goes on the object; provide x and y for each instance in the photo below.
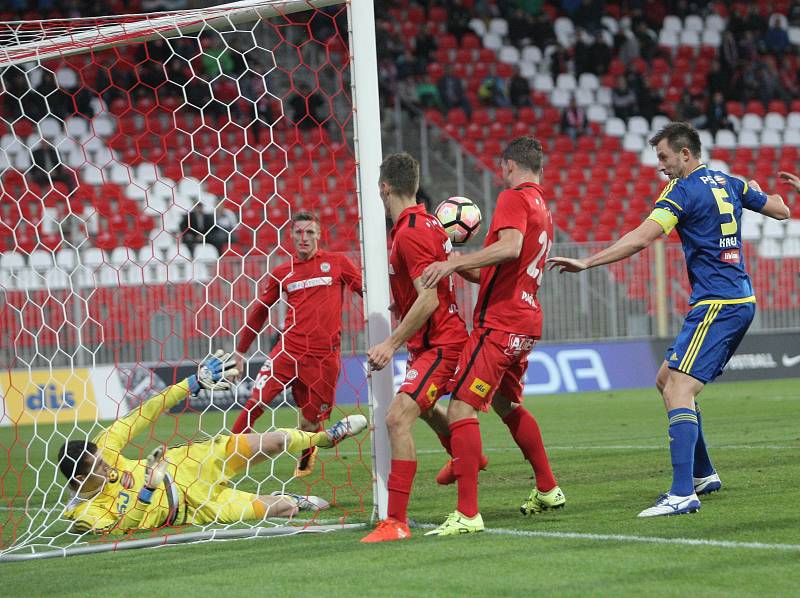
(386, 42)
(212, 228)
(559, 61)
(689, 110)
(717, 80)
(776, 39)
(754, 21)
(600, 53)
(492, 90)
(794, 14)
(581, 52)
(458, 18)
(427, 93)
(425, 44)
(519, 90)
(648, 40)
(627, 46)
(717, 114)
(623, 99)
(387, 81)
(542, 31)
(451, 92)
(588, 15)
(520, 28)
(573, 121)
(409, 66)
(748, 47)
(47, 168)
(729, 54)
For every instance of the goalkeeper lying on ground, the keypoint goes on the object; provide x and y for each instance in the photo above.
(185, 484)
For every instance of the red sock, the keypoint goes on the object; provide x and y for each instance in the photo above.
(400, 481)
(250, 413)
(528, 437)
(465, 437)
(445, 440)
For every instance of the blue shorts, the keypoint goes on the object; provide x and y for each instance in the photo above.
(709, 338)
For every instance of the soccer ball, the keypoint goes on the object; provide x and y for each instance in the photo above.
(460, 217)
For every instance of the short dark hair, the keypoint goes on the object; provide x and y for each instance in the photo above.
(679, 135)
(401, 173)
(74, 459)
(304, 216)
(526, 152)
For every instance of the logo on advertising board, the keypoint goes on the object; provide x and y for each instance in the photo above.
(47, 396)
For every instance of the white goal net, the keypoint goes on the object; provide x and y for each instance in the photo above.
(150, 166)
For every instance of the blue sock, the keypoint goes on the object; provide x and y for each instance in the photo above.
(702, 462)
(682, 438)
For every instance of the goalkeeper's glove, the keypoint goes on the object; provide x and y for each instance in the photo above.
(214, 373)
(154, 473)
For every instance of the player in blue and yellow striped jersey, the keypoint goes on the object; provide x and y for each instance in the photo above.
(185, 484)
(705, 207)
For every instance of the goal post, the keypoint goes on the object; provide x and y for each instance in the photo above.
(119, 137)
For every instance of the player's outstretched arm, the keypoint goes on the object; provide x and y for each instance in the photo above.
(775, 207)
(630, 244)
(213, 374)
(155, 472)
(421, 310)
(507, 247)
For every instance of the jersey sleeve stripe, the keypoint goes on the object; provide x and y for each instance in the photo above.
(746, 188)
(667, 190)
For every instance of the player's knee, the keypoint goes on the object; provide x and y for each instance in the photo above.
(397, 421)
(503, 406)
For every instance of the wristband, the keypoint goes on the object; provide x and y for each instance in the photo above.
(194, 385)
(146, 495)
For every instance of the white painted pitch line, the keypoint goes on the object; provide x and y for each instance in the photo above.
(639, 539)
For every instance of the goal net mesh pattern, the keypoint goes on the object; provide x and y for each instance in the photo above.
(112, 132)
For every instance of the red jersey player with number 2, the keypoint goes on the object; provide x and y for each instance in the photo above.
(508, 321)
(307, 357)
(430, 326)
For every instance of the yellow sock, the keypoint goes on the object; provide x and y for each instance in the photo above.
(298, 440)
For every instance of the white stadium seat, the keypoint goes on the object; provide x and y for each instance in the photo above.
(711, 38)
(668, 38)
(773, 229)
(671, 23)
(103, 125)
(770, 248)
(775, 121)
(791, 247)
(611, 24)
(588, 81)
(478, 27)
(706, 139)
(508, 54)
(492, 41)
(615, 127)
(603, 96)
(638, 125)
(584, 98)
(659, 122)
(50, 128)
(719, 165)
(771, 138)
(633, 142)
(596, 113)
(748, 138)
(499, 27)
(560, 98)
(791, 137)
(715, 22)
(528, 70)
(690, 38)
(751, 225)
(793, 120)
(753, 122)
(793, 228)
(543, 83)
(647, 157)
(566, 81)
(693, 23)
(532, 54)
(794, 35)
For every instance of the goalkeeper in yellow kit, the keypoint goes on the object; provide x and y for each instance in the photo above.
(185, 484)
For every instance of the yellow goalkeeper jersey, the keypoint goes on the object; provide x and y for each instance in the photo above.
(116, 507)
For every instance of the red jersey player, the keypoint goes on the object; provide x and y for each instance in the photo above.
(430, 326)
(508, 321)
(307, 357)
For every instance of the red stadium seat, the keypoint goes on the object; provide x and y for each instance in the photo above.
(471, 41)
(457, 117)
(755, 107)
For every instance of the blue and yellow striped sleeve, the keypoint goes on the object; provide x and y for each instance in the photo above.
(669, 206)
(751, 199)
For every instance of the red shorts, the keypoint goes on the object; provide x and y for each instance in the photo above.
(311, 378)
(427, 374)
(491, 361)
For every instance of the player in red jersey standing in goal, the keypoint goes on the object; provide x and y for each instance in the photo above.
(508, 321)
(430, 326)
(307, 357)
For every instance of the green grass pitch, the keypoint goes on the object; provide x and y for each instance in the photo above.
(610, 454)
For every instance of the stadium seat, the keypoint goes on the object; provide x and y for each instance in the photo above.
(499, 27)
(615, 127)
(531, 54)
(726, 139)
(752, 121)
(567, 82)
(478, 26)
(748, 138)
(638, 125)
(633, 142)
(771, 138)
(492, 42)
(508, 55)
(770, 248)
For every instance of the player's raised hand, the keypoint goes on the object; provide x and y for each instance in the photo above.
(215, 373)
(434, 273)
(380, 355)
(155, 470)
(566, 264)
(787, 178)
